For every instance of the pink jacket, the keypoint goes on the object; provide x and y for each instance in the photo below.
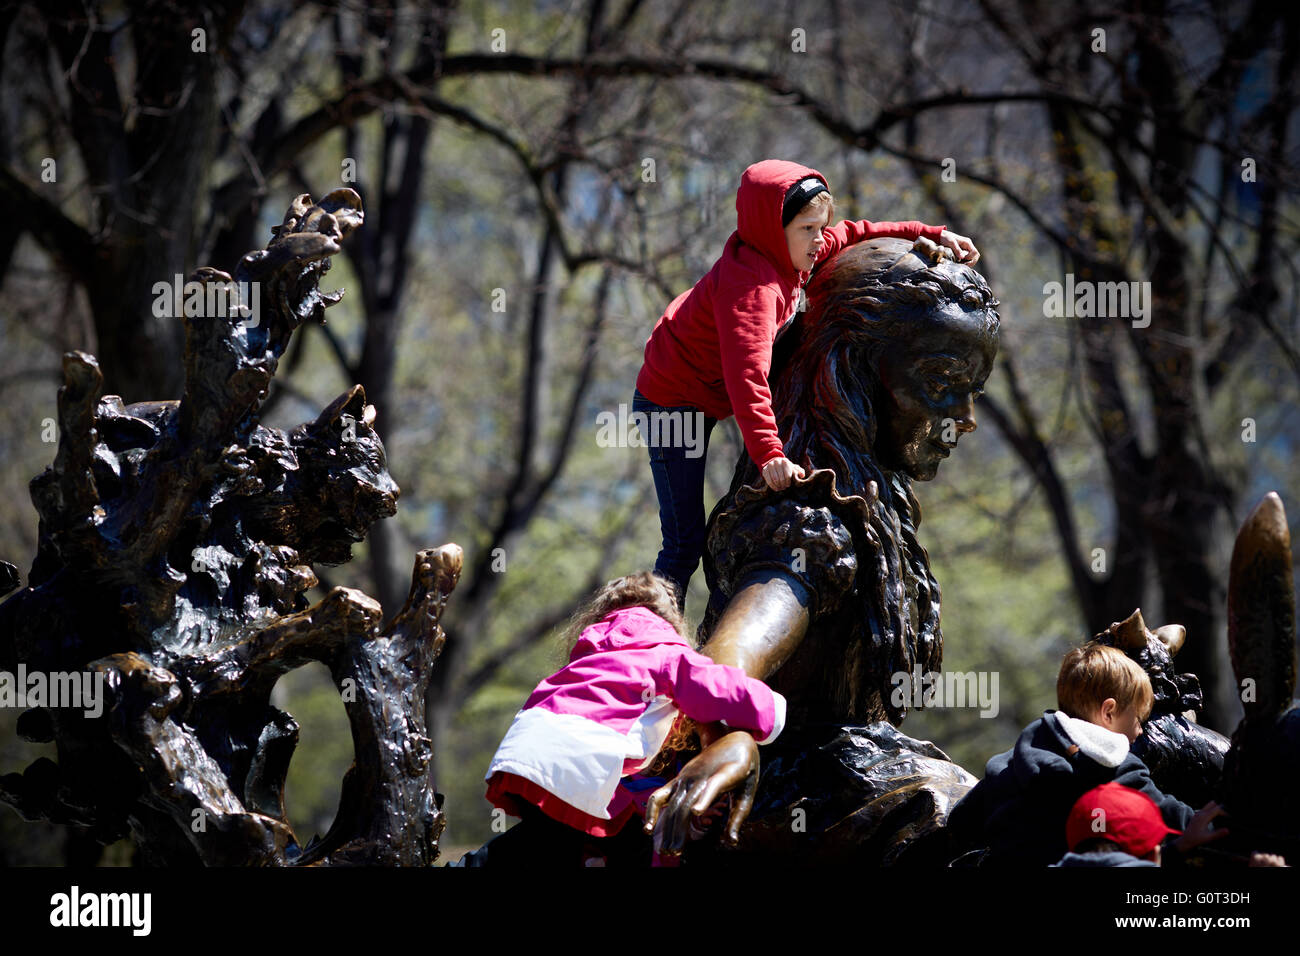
(608, 711)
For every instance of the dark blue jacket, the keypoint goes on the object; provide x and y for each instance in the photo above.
(1019, 809)
(1113, 858)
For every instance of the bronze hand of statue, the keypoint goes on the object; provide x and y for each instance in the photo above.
(728, 764)
(763, 624)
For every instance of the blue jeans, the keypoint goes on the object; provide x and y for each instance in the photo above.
(679, 482)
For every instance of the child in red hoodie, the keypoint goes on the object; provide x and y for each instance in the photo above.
(710, 353)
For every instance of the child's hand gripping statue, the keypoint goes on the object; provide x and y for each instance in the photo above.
(575, 764)
(710, 353)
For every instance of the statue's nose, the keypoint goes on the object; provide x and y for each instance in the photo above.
(965, 417)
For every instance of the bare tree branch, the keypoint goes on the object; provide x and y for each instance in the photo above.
(59, 235)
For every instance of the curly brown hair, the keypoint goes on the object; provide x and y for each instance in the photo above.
(658, 595)
(642, 589)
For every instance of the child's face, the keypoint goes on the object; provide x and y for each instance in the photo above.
(1127, 722)
(804, 237)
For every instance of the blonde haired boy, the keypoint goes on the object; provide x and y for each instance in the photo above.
(1020, 807)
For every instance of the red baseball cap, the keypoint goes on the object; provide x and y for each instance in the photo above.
(1120, 814)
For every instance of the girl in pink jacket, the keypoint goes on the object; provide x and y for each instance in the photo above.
(575, 749)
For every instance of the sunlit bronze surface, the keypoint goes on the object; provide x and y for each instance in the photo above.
(1262, 770)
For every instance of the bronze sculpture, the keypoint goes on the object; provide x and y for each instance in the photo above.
(1263, 764)
(177, 541)
(1246, 773)
(824, 590)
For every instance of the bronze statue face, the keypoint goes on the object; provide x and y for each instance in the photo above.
(930, 380)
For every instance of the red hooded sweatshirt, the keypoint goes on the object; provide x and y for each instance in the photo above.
(712, 348)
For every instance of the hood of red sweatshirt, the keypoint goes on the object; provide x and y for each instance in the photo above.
(758, 207)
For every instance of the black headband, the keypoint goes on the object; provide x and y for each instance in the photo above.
(798, 196)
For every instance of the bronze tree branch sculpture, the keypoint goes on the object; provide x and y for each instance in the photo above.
(177, 540)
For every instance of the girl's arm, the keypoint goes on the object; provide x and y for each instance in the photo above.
(763, 624)
(708, 692)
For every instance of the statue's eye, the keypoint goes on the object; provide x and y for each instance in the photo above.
(938, 387)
